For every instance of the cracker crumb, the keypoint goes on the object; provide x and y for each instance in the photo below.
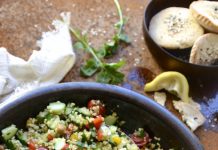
(137, 60)
(73, 5)
(92, 9)
(127, 9)
(160, 98)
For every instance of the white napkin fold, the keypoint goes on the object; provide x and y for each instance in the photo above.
(44, 67)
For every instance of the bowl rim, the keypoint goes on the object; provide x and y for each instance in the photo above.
(129, 96)
(146, 29)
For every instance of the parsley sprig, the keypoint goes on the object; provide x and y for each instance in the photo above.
(106, 72)
(111, 47)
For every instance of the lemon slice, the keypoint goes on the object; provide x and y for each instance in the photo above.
(174, 82)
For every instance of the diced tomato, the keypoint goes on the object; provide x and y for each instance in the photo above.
(50, 137)
(87, 126)
(140, 141)
(100, 135)
(92, 103)
(66, 146)
(98, 121)
(31, 146)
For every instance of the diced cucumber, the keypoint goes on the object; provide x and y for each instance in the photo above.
(84, 139)
(87, 134)
(41, 116)
(68, 110)
(59, 143)
(113, 129)
(56, 108)
(84, 111)
(53, 122)
(10, 145)
(110, 120)
(9, 132)
(13, 144)
(22, 137)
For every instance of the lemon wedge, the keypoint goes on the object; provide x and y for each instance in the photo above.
(174, 82)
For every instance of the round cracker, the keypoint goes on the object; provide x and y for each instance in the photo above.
(205, 50)
(175, 28)
(206, 13)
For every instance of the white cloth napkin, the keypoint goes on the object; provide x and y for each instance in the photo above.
(44, 67)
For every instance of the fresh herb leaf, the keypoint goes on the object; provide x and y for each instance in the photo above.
(118, 25)
(140, 132)
(100, 53)
(124, 38)
(110, 73)
(106, 72)
(110, 48)
(111, 76)
(89, 69)
(116, 65)
(84, 41)
(78, 45)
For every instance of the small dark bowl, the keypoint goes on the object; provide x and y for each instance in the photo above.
(137, 110)
(176, 60)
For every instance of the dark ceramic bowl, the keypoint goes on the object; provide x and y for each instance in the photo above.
(175, 60)
(137, 110)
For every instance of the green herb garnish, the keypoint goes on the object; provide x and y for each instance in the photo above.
(140, 132)
(111, 47)
(107, 72)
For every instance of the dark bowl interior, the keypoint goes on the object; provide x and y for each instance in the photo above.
(137, 110)
(175, 60)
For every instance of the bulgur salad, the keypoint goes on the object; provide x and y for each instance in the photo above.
(69, 127)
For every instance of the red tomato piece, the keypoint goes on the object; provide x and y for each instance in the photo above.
(50, 137)
(94, 103)
(140, 141)
(31, 146)
(100, 135)
(66, 146)
(98, 121)
(90, 104)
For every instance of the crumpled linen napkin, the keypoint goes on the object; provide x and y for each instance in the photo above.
(44, 67)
